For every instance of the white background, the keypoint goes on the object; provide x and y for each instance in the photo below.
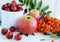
(54, 7)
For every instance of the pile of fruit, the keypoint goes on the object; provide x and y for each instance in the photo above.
(9, 33)
(48, 24)
(13, 6)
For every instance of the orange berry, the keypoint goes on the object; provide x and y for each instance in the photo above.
(41, 29)
(52, 41)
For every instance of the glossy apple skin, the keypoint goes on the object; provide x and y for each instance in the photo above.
(7, 9)
(18, 37)
(12, 29)
(9, 35)
(35, 14)
(13, 8)
(27, 26)
(4, 31)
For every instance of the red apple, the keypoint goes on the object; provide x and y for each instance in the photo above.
(35, 13)
(27, 24)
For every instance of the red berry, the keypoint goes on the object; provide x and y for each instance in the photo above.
(4, 31)
(12, 29)
(18, 37)
(4, 6)
(9, 35)
(13, 3)
(19, 9)
(7, 9)
(8, 4)
(19, 5)
(13, 8)
(52, 41)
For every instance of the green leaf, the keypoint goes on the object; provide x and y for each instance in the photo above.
(24, 1)
(49, 12)
(43, 14)
(45, 8)
(0, 22)
(30, 8)
(42, 39)
(21, 1)
(52, 35)
(58, 34)
(31, 4)
(40, 11)
(39, 5)
(35, 3)
(27, 2)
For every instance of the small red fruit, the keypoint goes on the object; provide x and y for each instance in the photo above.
(8, 4)
(4, 31)
(4, 6)
(19, 5)
(13, 3)
(19, 9)
(13, 8)
(7, 9)
(12, 29)
(9, 35)
(18, 37)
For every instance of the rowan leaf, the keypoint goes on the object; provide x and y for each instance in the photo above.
(27, 2)
(21, 1)
(24, 1)
(31, 4)
(43, 14)
(35, 3)
(39, 5)
(45, 8)
(49, 12)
